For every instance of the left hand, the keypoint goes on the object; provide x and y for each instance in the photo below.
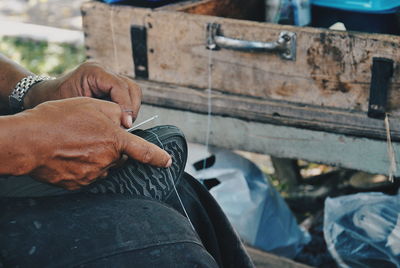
(90, 80)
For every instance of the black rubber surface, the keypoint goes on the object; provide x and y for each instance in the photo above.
(135, 178)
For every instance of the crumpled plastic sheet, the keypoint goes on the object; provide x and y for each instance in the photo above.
(256, 210)
(363, 230)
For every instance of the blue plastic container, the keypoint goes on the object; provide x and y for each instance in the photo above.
(367, 6)
(373, 16)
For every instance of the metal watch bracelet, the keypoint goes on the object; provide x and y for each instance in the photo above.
(16, 98)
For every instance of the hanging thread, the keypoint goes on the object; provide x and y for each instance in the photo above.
(390, 150)
(113, 37)
(154, 117)
(173, 184)
(209, 106)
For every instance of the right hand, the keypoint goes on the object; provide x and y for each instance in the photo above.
(90, 79)
(75, 141)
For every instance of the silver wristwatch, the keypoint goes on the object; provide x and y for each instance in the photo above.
(16, 98)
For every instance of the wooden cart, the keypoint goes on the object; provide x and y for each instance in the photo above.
(291, 92)
(296, 92)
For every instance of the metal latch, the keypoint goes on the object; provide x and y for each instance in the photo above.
(382, 72)
(139, 51)
(285, 46)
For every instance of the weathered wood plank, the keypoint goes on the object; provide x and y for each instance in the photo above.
(177, 54)
(315, 146)
(236, 9)
(107, 34)
(332, 68)
(268, 111)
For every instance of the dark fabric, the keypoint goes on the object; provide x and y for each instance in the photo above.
(53, 226)
(88, 230)
(211, 224)
(130, 220)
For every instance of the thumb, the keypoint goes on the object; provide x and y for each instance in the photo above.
(142, 150)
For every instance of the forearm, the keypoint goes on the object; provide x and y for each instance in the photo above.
(16, 142)
(10, 74)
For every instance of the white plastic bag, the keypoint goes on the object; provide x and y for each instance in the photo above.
(253, 206)
(363, 230)
(293, 12)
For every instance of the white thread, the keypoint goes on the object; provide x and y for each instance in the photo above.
(390, 150)
(209, 105)
(154, 117)
(113, 38)
(173, 183)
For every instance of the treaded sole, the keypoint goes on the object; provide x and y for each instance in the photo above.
(135, 178)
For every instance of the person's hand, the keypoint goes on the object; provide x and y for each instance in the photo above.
(90, 80)
(74, 141)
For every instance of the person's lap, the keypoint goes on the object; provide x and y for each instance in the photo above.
(88, 230)
(212, 226)
(123, 190)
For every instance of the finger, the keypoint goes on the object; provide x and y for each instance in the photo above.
(143, 151)
(129, 98)
(120, 93)
(127, 94)
(121, 90)
(106, 83)
(135, 98)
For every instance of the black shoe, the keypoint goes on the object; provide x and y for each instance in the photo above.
(135, 178)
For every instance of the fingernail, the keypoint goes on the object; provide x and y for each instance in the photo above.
(169, 163)
(129, 120)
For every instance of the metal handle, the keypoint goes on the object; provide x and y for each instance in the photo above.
(285, 45)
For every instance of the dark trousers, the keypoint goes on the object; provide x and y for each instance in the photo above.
(114, 230)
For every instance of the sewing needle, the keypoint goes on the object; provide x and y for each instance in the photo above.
(142, 123)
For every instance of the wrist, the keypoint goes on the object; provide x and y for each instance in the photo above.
(22, 88)
(17, 142)
(10, 74)
(43, 91)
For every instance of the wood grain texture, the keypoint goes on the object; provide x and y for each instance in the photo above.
(235, 9)
(332, 68)
(268, 111)
(107, 34)
(327, 88)
(316, 146)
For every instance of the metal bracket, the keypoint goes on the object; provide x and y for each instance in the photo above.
(139, 51)
(285, 46)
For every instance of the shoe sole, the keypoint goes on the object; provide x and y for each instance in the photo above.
(136, 178)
